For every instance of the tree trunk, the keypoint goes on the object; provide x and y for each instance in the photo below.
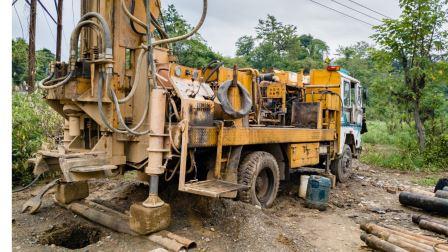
(419, 125)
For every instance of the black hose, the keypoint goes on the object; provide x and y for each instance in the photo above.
(227, 106)
(29, 185)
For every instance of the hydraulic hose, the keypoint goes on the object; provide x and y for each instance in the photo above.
(134, 19)
(63, 82)
(73, 55)
(191, 33)
(29, 185)
(106, 31)
(117, 108)
(136, 79)
(49, 77)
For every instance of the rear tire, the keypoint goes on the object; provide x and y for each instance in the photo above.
(259, 171)
(342, 166)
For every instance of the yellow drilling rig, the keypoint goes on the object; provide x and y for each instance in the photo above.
(221, 132)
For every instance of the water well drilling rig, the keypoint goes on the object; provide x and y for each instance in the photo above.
(222, 132)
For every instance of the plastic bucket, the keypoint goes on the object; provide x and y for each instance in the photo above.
(303, 186)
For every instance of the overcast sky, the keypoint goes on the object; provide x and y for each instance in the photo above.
(227, 20)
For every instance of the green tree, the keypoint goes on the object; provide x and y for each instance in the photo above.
(415, 41)
(193, 52)
(281, 36)
(311, 47)
(244, 45)
(19, 60)
(278, 45)
(43, 60)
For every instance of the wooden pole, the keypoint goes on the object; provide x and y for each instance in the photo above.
(59, 32)
(32, 47)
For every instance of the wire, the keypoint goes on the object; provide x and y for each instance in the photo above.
(13, 3)
(73, 14)
(365, 14)
(342, 13)
(45, 9)
(365, 7)
(49, 27)
(20, 21)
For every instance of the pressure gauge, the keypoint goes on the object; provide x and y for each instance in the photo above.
(178, 71)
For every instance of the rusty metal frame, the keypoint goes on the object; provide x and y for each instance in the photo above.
(256, 135)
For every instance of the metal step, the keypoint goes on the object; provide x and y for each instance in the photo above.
(212, 188)
(98, 168)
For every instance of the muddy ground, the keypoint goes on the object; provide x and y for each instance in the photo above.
(228, 225)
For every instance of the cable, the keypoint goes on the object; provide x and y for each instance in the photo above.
(365, 7)
(192, 32)
(45, 9)
(13, 3)
(29, 185)
(20, 21)
(365, 14)
(49, 27)
(342, 13)
(73, 13)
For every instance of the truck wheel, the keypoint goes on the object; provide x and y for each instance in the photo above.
(342, 166)
(259, 171)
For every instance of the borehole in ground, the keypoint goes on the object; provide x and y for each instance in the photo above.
(71, 236)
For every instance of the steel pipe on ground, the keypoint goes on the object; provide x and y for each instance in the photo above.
(403, 242)
(408, 235)
(431, 224)
(442, 194)
(381, 245)
(431, 204)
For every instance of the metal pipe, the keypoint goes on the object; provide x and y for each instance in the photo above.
(154, 185)
(431, 224)
(416, 219)
(433, 241)
(431, 204)
(400, 241)
(381, 245)
(442, 194)
(157, 129)
(371, 228)
(107, 220)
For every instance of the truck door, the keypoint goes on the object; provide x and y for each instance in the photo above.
(346, 97)
(357, 107)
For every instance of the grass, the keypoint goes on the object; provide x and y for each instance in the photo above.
(427, 181)
(395, 148)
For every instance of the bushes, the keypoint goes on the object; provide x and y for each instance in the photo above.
(33, 123)
(397, 148)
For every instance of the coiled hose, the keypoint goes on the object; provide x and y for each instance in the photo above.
(227, 106)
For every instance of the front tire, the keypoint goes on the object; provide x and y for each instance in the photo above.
(342, 166)
(259, 171)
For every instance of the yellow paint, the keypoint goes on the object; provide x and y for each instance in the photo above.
(303, 154)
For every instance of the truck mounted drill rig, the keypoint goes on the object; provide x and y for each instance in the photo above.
(222, 132)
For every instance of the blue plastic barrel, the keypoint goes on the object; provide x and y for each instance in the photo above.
(317, 192)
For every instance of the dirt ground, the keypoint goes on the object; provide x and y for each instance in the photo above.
(227, 225)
